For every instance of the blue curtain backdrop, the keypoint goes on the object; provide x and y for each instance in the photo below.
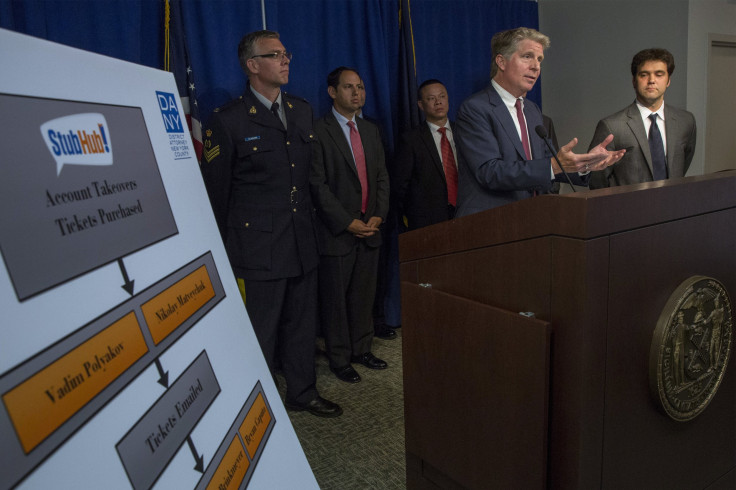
(451, 41)
(451, 37)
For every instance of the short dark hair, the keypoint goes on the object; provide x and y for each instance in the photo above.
(426, 83)
(652, 54)
(246, 47)
(333, 79)
(506, 43)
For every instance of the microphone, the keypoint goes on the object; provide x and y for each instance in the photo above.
(542, 133)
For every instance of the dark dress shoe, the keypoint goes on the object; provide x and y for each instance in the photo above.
(370, 361)
(346, 373)
(319, 407)
(385, 333)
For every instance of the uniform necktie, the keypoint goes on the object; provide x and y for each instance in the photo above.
(524, 135)
(656, 147)
(357, 145)
(448, 162)
(275, 110)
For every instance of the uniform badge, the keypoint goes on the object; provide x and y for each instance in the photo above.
(208, 153)
(289, 104)
(252, 109)
(208, 133)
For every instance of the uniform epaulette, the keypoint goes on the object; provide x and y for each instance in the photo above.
(294, 97)
(229, 104)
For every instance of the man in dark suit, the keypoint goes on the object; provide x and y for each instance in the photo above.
(350, 189)
(388, 243)
(257, 157)
(425, 176)
(503, 158)
(650, 156)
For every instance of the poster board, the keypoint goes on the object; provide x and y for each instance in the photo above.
(127, 359)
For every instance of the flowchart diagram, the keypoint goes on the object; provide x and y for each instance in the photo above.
(88, 193)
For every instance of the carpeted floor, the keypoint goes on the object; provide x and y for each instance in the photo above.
(363, 448)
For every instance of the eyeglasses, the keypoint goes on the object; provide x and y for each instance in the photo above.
(276, 55)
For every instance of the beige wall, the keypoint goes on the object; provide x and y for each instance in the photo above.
(706, 17)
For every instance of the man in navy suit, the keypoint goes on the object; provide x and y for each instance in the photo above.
(503, 159)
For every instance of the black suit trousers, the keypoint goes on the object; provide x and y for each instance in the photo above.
(347, 287)
(283, 313)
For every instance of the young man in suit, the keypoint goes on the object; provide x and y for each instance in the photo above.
(425, 175)
(656, 152)
(382, 330)
(503, 158)
(350, 190)
(258, 151)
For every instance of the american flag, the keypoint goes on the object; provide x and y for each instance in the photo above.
(176, 60)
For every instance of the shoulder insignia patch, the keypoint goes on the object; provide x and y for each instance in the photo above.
(208, 133)
(210, 154)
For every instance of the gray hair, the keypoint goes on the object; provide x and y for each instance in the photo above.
(246, 47)
(506, 43)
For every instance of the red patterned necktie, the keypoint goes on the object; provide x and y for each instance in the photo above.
(448, 162)
(357, 145)
(522, 125)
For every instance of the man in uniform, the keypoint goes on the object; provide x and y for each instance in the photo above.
(256, 167)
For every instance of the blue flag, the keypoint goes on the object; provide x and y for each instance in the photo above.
(408, 111)
(176, 60)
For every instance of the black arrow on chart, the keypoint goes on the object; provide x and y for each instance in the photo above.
(199, 459)
(128, 286)
(164, 379)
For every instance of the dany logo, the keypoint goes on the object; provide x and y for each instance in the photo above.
(170, 112)
(79, 139)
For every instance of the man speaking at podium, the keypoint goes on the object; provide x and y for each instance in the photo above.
(504, 158)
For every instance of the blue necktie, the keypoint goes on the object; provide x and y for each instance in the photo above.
(656, 147)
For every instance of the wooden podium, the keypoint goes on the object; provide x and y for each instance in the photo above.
(495, 399)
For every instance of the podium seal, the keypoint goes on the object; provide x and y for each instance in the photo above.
(690, 347)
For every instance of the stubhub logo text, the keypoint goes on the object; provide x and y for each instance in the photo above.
(80, 139)
(170, 112)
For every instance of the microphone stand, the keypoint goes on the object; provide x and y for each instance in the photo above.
(542, 133)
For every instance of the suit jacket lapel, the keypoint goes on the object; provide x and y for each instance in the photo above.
(259, 113)
(671, 125)
(291, 125)
(504, 118)
(534, 119)
(335, 132)
(425, 135)
(369, 149)
(637, 127)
